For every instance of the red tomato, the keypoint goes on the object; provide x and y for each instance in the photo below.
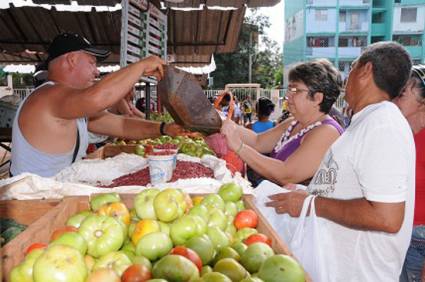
(189, 254)
(136, 273)
(58, 232)
(246, 218)
(35, 246)
(255, 238)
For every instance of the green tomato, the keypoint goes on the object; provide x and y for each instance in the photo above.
(239, 247)
(230, 209)
(244, 233)
(240, 205)
(281, 268)
(103, 234)
(154, 245)
(143, 203)
(213, 201)
(118, 261)
(23, 271)
(76, 219)
(175, 268)
(217, 218)
(255, 255)
(215, 277)
(60, 263)
(99, 200)
(201, 211)
(218, 238)
(183, 229)
(203, 246)
(72, 239)
(169, 204)
(140, 150)
(230, 192)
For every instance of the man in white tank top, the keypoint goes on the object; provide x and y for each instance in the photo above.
(45, 128)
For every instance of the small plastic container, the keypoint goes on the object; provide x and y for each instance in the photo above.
(175, 151)
(161, 167)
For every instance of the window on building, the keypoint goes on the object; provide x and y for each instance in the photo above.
(408, 15)
(354, 21)
(408, 40)
(352, 41)
(375, 39)
(342, 16)
(321, 15)
(319, 42)
(378, 18)
(397, 1)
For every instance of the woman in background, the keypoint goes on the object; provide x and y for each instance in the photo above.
(412, 104)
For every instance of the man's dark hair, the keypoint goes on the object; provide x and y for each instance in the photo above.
(391, 65)
(319, 76)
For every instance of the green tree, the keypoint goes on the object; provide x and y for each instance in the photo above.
(234, 67)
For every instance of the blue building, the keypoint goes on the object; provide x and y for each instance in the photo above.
(340, 29)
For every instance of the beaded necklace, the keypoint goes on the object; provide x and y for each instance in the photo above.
(286, 138)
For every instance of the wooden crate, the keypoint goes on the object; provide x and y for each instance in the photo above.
(40, 230)
(26, 211)
(110, 150)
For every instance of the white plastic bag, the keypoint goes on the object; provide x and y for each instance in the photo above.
(306, 242)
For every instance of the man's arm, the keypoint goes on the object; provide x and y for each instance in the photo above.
(130, 128)
(358, 214)
(70, 103)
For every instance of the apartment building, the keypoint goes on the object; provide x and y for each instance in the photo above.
(340, 29)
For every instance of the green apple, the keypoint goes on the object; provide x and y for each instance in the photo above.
(76, 219)
(72, 239)
(230, 192)
(23, 271)
(217, 218)
(60, 263)
(169, 204)
(213, 201)
(203, 246)
(175, 268)
(143, 203)
(218, 238)
(281, 268)
(183, 229)
(118, 261)
(99, 200)
(255, 255)
(200, 210)
(154, 245)
(103, 234)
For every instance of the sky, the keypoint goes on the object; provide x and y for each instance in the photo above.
(275, 14)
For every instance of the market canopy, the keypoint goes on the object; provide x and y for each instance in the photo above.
(193, 35)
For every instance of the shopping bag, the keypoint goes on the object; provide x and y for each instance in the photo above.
(306, 242)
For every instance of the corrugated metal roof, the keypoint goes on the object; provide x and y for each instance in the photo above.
(193, 36)
(184, 4)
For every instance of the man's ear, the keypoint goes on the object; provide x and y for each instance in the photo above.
(366, 70)
(318, 97)
(71, 59)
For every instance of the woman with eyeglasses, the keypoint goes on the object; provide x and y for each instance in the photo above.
(297, 145)
(412, 104)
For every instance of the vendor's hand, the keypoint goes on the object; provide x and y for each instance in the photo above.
(154, 66)
(173, 129)
(290, 203)
(230, 130)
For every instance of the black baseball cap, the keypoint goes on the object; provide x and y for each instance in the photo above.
(69, 42)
